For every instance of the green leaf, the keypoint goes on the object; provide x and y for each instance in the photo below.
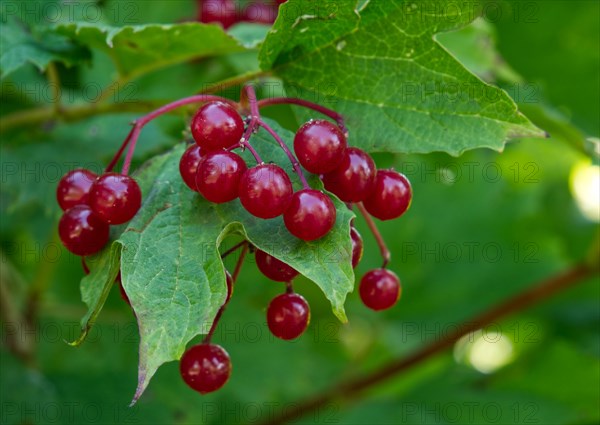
(20, 45)
(136, 50)
(95, 287)
(171, 268)
(382, 68)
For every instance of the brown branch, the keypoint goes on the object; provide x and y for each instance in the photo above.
(519, 302)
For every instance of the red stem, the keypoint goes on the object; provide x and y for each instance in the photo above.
(233, 249)
(305, 103)
(252, 125)
(289, 154)
(131, 139)
(115, 159)
(234, 277)
(385, 252)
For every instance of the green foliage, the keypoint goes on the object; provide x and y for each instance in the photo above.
(136, 50)
(21, 45)
(392, 71)
(381, 67)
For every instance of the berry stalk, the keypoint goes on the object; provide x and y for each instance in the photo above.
(256, 121)
(289, 154)
(385, 252)
(234, 277)
(138, 124)
(252, 125)
(339, 119)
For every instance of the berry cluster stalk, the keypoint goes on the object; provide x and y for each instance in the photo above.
(234, 277)
(385, 252)
(306, 104)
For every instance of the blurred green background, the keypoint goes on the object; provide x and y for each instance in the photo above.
(482, 227)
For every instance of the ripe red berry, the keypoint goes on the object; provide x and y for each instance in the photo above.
(379, 289)
(74, 188)
(219, 11)
(354, 178)
(81, 231)
(216, 126)
(205, 367)
(391, 195)
(188, 166)
(357, 246)
(219, 175)
(319, 146)
(288, 316)
(310, 216)
(274, 269)
(115, 198)
(265, 191)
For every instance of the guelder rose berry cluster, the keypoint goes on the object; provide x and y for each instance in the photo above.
(212, 168)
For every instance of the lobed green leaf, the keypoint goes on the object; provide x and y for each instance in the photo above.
(381, 67)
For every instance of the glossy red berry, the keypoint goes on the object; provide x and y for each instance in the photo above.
(379, 289)
(217, 126)
(274, 269)
(319, 146)
(391, 195)
(188, 166)
(219, 175)
(357, 246)
(265, 191)
(205, 367)
(311, 215)
(115, 198)
(218, 11)
(354, 178)
(288, 316)
(81, 231)
(74, 188)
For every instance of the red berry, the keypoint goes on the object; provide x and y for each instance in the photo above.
(115, 198)
(205, 367)
(74, 188)
(81, 231)
(357, 247)
(379, 289)
(391, 195)
(188, 166)
(265, 191)
(319, 146)
(354, 179)
(219, 175)
(216, 126)
(310, 216)
(219, 11)
(288, 316)
(274, 269)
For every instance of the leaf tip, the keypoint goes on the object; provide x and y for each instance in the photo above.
(80, 339)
